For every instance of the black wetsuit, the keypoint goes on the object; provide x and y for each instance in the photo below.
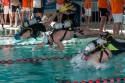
(34, 29)
(120, 46)
(114, 46)
(66, 29)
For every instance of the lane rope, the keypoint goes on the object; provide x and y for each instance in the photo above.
(34, 59)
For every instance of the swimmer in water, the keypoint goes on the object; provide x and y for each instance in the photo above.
(32, 28)
(99, 51)
(66, 33)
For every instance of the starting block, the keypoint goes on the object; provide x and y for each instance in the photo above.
(11, 28)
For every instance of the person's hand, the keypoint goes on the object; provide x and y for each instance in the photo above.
(33, 49)
(52, 46)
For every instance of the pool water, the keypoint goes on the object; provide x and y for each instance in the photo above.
(51, 71)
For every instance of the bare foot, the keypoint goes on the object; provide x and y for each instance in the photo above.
(109, 22)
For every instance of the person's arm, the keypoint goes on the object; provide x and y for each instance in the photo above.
(50, 20)
(40, 45)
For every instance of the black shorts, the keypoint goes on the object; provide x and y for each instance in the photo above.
(38, 10)
(38, 27)
(64, 17)
(14, 8)
(104, 11)
(1, 10)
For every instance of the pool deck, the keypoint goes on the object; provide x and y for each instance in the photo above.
(93, 26)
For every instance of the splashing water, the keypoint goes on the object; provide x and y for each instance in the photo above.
(79, 64)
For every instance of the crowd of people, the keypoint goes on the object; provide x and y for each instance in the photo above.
(67, 25)
(19, 10)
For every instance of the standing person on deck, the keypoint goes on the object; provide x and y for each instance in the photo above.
(38, 8)
(25, 9)
(103, 5)
(88, 11)
(117, 7)
(7, 10)
(76, 10)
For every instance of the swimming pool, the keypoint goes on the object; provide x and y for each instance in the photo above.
(50, 70)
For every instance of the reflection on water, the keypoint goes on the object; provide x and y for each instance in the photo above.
(52, 71)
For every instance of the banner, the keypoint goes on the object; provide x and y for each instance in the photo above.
(49, 4)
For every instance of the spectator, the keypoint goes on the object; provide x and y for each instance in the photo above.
(117, 12)
(1, 13)
(15, 5)
(59, 4)
(7, 11)
(110, 14)
(31, 9)
(38, 9)
(88, 10)
(103, 5)
(77, 10)
(25, 9)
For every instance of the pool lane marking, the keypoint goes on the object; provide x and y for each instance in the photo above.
(35, 60)
(111, 80)
(9, 45)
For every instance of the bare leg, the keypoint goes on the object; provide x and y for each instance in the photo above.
(59, 17)
(10, 19)
(114, 28)
(110, 18)
(22, 17)
(12, 16)
(118, 25)
(89, 18)
(2, 21)
(50, 19)
(102, 23)
(86, 20)
(104, 28)
(88, 32)
(5, 18)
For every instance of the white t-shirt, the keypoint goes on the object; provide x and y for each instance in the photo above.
(46, 38)
(37, 3)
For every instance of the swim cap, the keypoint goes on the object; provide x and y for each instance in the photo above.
(17, 36)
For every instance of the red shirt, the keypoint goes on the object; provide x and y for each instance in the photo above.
(5, 2)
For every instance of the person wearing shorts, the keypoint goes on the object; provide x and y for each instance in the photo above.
(38, 9)
(88, 10)
(59, 4)
(25, 9)
(7, 11)
(15, 5)
(103, 5)
(117, 12)
(1, 13)
(31, 9)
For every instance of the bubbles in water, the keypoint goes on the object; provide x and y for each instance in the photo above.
(79, 64)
